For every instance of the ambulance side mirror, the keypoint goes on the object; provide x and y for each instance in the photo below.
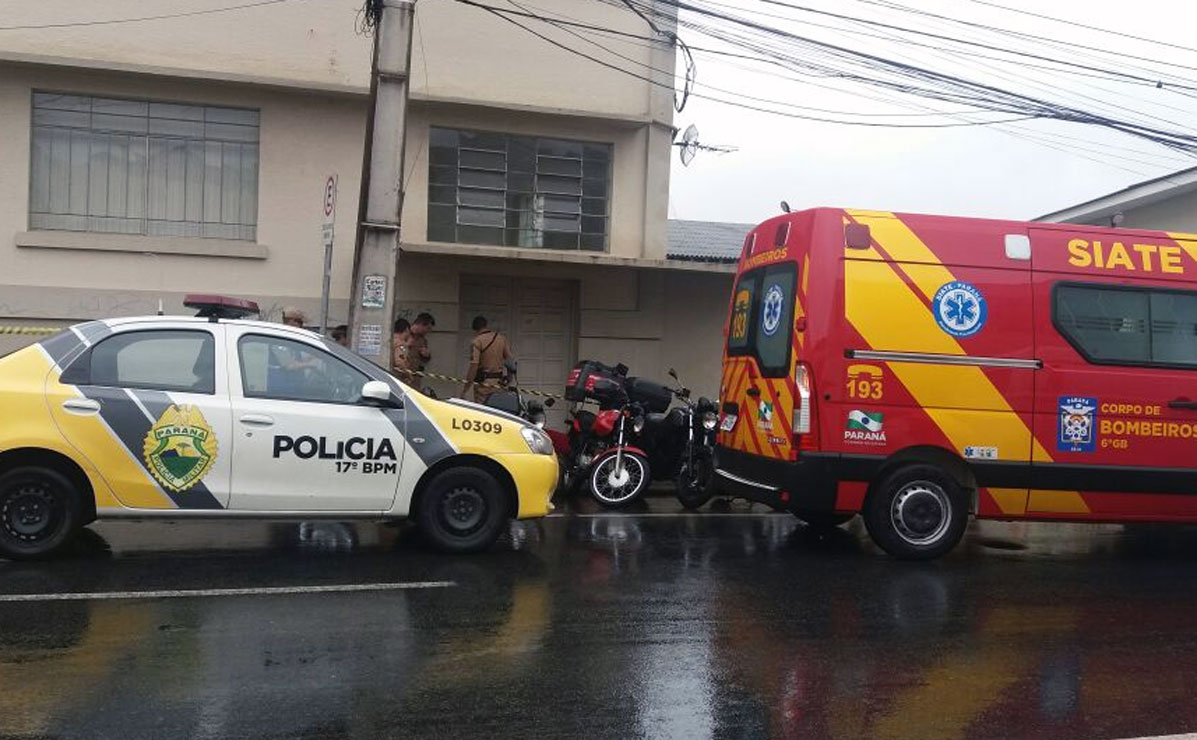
(378, 393)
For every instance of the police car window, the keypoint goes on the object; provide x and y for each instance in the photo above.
(771, 330)
(167, 360)
(282, 369)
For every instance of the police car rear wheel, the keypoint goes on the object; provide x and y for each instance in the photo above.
(918, 513)
(461, 510)
(39, 512)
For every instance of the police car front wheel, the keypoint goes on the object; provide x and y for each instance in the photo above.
(462, 510)
(918, 512)
(39, 512)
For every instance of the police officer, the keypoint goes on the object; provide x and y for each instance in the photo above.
(287, 367)
(489, 352)
(415, 354)
(399, 337)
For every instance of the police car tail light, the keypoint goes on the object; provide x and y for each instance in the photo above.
(804, 408)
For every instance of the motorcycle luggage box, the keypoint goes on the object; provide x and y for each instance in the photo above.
(654, 397)
(580, 384)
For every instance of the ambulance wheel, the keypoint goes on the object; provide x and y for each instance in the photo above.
(917, 513)
(462, 510)
(40, 510)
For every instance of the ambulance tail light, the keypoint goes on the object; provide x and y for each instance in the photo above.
(804, 410)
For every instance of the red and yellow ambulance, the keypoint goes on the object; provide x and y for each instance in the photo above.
(916, 368)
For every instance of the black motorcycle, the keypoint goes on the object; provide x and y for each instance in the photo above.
(680, 442)
(511, 399)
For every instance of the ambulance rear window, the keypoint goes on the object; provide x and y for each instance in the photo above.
(762, 314)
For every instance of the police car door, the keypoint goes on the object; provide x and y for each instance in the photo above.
(148, 405)
(303, 441)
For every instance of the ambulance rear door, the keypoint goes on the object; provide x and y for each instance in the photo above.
(757, 388)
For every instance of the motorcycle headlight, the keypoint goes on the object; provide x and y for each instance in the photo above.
(538, 441)
(638, 424)
(710, 420)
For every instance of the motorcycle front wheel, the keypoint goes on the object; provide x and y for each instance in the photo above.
(695, 482)
(618, 480)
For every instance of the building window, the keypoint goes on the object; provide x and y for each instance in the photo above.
(1129, 326)
(142, 167)
(518, 191)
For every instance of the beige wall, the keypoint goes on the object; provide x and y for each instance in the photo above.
(630, 201)
(311, 43)
(459, 52)
(650, 319)
(303, 137)
(306, 69)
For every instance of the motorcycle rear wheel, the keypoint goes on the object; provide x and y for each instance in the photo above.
(618, 480)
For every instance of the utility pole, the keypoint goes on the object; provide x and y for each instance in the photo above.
(376, 256)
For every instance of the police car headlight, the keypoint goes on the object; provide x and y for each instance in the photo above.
(537, 440)
(710, 420)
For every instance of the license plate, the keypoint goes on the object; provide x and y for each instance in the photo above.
(729, 423)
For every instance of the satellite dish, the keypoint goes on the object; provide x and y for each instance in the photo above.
(689, 146)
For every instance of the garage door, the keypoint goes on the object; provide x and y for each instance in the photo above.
(538, 317)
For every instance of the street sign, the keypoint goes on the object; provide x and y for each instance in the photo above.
(374, 291)
(330, 197)
(369, 340)
(328, 208)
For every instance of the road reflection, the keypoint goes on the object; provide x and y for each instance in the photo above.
(621, 626)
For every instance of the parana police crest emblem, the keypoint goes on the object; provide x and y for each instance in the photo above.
(180, 448)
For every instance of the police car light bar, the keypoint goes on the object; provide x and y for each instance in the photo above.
(217, 307)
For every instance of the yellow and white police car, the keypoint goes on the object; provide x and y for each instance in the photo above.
(210, 417)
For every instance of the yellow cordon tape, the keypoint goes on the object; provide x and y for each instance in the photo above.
(451, 379)
(28, 330)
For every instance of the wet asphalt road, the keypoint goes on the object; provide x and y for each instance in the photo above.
(740, 625)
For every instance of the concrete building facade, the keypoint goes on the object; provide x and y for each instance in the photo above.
(144, 159)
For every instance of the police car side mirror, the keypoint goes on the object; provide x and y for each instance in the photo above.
(378, 393)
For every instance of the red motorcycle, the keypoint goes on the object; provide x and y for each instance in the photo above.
(596, 448)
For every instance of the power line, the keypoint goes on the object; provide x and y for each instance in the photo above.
(1088, 50)
(499, 13)
(566, 27)
(140, 19)
(950, 39)
(912, 79)
(1078, 24)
